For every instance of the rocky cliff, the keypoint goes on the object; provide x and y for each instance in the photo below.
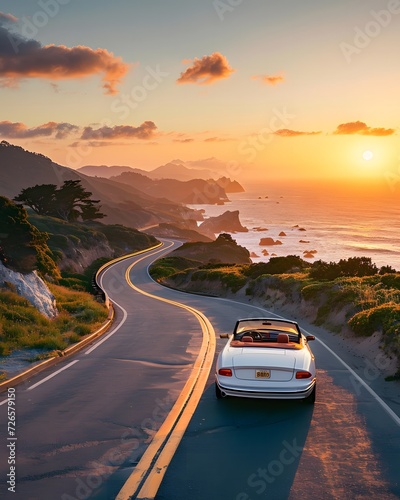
(30, 286)
(227, 222)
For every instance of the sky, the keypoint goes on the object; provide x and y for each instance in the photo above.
(259, 90)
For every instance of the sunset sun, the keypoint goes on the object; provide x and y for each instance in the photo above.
(368, 155)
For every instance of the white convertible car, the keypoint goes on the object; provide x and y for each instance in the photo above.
(266, 358)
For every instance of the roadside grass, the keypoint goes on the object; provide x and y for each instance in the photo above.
(169, 266)
(230, 276)
(23, 327)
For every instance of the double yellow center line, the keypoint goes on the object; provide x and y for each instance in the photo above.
(146, 478)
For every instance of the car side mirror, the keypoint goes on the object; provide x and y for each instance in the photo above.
(310, 337)
(224, 336)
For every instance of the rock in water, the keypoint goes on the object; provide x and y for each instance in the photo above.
(269, 242)
(227, 222)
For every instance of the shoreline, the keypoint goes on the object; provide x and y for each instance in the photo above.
(354, 228)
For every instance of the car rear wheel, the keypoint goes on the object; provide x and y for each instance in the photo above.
(311, 398)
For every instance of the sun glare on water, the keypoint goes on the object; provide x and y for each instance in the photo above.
(368, 155)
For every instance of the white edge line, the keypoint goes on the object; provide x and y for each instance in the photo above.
(125, 315)
(386, 407)
(52, 375)
(97, 344)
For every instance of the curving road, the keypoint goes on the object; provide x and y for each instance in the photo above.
(82, 426)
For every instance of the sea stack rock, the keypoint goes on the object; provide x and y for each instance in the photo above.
(227, 222)
(269, 242)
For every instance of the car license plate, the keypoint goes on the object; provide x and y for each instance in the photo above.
(263, 373)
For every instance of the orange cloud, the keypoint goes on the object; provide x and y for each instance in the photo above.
(269, 79)
(362, 128)
(183, 141)
(7, 18)
(145, 131)
(99, 144)
(21, 58)
(215, 139)
(21, 131)
(207, 70)
(285, 132)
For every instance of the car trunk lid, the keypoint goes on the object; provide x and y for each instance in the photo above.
(274, 366)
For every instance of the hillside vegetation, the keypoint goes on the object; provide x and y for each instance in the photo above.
(66, 256)
(23, 327)
(352, 297)
(75, 246)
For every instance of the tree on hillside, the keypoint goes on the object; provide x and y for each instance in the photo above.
(70, 202)
(23, 247)
(353, 266)
(40, 198)
(276, 265)
(357, 266)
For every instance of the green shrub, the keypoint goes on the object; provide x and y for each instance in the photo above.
(229, 276)
(50, 343)
(161, 272)
(276, 265)
(385, 318)
(9, 298)
(12, 331)
(203, 275)
(233, 281)
(354, 266)
(314, 290)
(82, 330)
(73, 283)
(73, 338)
(391, 280)
(5, 348)
(169, 266)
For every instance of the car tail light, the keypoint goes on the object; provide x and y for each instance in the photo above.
(303, 374)
(226, 372)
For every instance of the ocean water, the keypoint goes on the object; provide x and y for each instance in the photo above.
(331, 222)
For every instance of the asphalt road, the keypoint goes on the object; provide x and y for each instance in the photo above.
(81, 432)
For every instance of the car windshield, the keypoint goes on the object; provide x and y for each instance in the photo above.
(266, 325)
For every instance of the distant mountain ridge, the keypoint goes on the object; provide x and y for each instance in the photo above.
(176, 169)
(194, 191)
(122, 204)
(172, 170)
(105, 170)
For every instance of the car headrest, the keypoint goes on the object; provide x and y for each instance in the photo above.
(283, 338)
